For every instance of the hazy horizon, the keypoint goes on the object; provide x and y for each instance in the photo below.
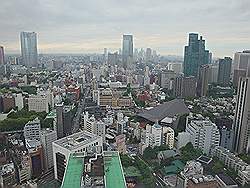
(85, 27)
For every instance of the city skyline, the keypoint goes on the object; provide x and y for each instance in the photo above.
(88, 27)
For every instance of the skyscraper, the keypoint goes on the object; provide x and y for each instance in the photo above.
(202, 85)
(148, 54)
(127, 50)
(1, 55)
(224, 71)
(241, 66)
(195, 55)
(29, 48)
(242, 115)
(185, 86)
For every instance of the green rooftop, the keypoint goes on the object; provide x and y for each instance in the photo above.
(73, 173)
(114, 176)
(175, 167)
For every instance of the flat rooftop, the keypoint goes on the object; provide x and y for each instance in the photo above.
(112, 173)
(114, 176)
(73, 141)
(73, 174)
(226, 179)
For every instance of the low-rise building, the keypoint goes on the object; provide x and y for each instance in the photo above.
(232, 161)
(168, 137)
(7, 175)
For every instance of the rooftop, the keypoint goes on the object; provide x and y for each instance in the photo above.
(106, 167)
(226, 179)
(167, 109)
(114, 176)
(73, 141)
(73, 174)
(175, 167)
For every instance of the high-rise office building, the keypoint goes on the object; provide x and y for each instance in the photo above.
(1, 55)
(241, 66)
(167, 79)
(48, 136)
(195, 55)
(185, 86)
(127, 50)
(241, 121)
(64, 120)
(148, 54)
(29, 48)
(214, 69)
(202, 85)
(113, 58)
(224, 71)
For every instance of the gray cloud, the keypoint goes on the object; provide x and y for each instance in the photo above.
(90, 25)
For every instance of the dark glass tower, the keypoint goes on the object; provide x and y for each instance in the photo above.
(195, 55)
(224, 71)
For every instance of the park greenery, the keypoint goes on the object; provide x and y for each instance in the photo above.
(16, 120)
(217, 167)
(188, 153)
(151, 153)
(29, 89)
(245, 157)
(146, 176)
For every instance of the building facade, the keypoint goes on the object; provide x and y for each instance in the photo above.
(29, 49)
(203, 134)
(38, 103)
(241, 66)
(1, 55)
(202, 84)
(195, 55)
(48, 136)
(83, 142)
(32, 130)
(241, 120)
(224, 73)
(127, 50)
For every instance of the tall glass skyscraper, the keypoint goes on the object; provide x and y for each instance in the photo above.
(195, 55)
(29, 48)
(127, 49)
(1, 55)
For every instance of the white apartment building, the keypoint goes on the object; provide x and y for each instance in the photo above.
(84, 142)
(38, 103)
(203, 134)
(93, 126)
(32, 130)
(232, 161)
(48, 136)
(168, 137)
(153, 135)
(182, 139)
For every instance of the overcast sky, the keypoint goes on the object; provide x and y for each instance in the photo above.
(86, 26)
